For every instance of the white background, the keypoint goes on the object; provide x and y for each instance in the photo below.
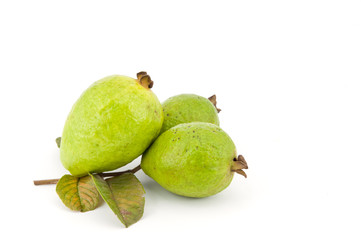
(287, 75)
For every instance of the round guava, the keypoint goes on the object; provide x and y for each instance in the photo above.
(193, 159)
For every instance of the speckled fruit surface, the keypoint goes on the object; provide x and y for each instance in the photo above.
(111, 124)
(191, 159)
(186, 108)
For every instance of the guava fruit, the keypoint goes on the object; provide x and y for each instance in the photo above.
(186, 108)
(193, 159)
(111, 124)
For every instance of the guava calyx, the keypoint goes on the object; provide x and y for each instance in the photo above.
(213, 100)
(239, 164)
(144, 80)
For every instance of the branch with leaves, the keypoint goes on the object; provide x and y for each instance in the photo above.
(122, 191)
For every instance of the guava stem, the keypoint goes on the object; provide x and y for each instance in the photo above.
(110, 174)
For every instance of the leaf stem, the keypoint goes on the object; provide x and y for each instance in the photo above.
(112, 174)
(109, 174)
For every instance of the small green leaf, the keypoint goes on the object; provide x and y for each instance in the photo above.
(124, 194)
(78, 194)
(58, 141)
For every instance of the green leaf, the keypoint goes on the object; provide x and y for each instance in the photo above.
(78, 194)
(124, 194)
(58, 141)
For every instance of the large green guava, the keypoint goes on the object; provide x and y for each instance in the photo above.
(193, 159)
(186, 108)
(111, 124)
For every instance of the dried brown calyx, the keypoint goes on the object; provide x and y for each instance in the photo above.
(213, 100)
(144, 80)
(239, 164)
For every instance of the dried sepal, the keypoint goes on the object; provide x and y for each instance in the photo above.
(239, 164)
(144, 80)
(213, 100)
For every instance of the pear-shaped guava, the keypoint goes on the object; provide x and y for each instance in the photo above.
(193, 159)
(186, 108)
(111, 124)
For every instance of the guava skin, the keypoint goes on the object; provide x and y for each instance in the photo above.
(191, 159)
(111, 124)
(186, 108)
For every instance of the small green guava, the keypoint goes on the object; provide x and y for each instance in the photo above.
(186, 108)
(193, 159)
(111, 124)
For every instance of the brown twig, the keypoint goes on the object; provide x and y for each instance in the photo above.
(46, 181)
(110, 174)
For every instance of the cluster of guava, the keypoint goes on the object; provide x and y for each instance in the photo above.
(119, 118)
